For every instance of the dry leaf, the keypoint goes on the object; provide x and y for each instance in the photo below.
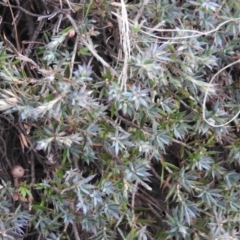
(30, 199)
(27, 128)
(15, 196)
(23, 141)
(166, 182)
(22, 199)
(71, 33)
(109, 24)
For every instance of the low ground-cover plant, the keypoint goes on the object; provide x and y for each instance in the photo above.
(124, 118)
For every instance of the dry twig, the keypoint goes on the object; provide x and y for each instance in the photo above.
(90, 47)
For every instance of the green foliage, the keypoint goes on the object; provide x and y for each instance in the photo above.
(118, 127)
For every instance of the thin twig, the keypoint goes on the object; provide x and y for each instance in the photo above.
(24, 10)
(34, 37)
(15, 27)
(159, 25)
(90, 47)
(116, 126)
(73, 56)
(155, 212)
(118, 160)
(205, 100)
(155, 173)
(125, 42)
(198, 33)
(219, 9)
(17, 53)
(151, 205)
(75, 229)
(140, 12)
(75, 162)
(128, 122)
(133, 201)
(147, 198)
(183, 144)
(33, 175)
(64, 230)
(5, 153)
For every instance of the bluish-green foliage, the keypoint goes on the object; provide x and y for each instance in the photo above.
(125, 160)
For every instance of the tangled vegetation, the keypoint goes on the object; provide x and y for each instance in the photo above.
(119, 120)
